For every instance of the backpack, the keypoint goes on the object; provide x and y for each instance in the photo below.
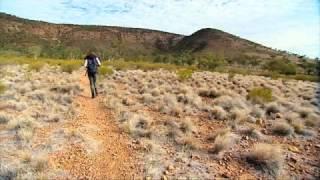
(92, 65)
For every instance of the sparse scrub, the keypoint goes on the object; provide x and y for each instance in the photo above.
(260, 95)
(282, 129)
(266, 157)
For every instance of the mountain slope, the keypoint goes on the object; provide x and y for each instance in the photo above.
(20, 34)
(36, 38)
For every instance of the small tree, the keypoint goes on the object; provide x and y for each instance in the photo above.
(318, 66)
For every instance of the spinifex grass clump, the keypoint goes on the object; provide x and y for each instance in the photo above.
(266, 157)
(260, 95)
(184, 74)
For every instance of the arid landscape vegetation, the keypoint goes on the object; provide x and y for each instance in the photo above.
(169, 106)
(155, 123)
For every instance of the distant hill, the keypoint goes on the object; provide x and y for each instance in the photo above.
(19, 35)
(36, 38)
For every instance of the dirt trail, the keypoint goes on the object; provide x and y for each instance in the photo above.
(113, 158)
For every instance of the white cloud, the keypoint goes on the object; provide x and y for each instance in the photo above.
(285, 24)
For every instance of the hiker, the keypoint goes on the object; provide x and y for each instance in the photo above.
(91, 63)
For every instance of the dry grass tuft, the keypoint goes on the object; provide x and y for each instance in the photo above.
(189, 143)
(312, 121)
(266, 157)
(253, 132)
(4, 118)
(210, 93)
(39, 163)
(187, 126)
(218, 113)
(272, 108)
(223, 142)
(282, 129)
(25, 156)
(138, 126)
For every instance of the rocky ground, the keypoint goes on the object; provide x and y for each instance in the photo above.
(155, 125)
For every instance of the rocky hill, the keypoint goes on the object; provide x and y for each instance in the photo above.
(36, 38)
(64, 40)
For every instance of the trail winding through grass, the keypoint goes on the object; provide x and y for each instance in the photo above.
(110, 156)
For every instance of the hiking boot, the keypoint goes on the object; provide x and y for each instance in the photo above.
(96, 92)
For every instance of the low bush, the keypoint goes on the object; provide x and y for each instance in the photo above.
(70, 66)
(260, 95)
(2, 88)
(105, 71)
(304, 77)
(184, 74)
(282, 66)
(36, 66)
(266, 157)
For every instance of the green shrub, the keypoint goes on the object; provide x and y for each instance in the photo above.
(210, 61)
(103, 70)
(70, 66)
(36, 66)
(184, 74)
(304, 77)
(2, 88)
(282, 66)
(260, 95)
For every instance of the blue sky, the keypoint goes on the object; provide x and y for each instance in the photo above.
(292, 25)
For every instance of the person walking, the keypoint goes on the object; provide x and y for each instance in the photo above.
(91, 63)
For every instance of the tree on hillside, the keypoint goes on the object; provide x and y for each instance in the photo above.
(318, 66)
